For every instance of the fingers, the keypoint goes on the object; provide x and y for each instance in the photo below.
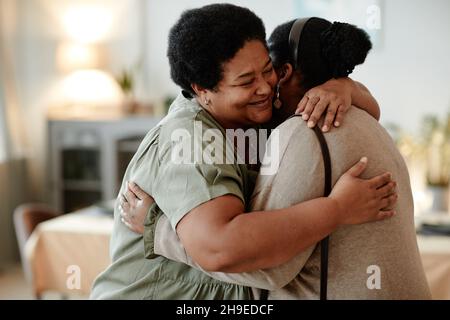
(358, 168)
(123, 202)
(389, 201)
(386, 190)
(125, 217)
(141, 194)
(339, 116)
(310, 107)
(124, 208)
(320, 107)
(301, 105)
(131, 197)
(122, 199)
(380, 180)
(385, 214)
(125, 222)
(331, 114)
(128, 225)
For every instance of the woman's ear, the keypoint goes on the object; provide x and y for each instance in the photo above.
(201, 93)
(285, 73)
(199, 90)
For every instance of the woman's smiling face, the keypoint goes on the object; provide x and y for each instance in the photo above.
(243, 97)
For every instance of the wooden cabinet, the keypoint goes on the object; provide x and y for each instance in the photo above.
(89, 155)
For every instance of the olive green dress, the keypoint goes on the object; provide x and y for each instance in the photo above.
(135, 272)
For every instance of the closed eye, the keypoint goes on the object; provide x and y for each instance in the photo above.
(247, 83)
(269, 70)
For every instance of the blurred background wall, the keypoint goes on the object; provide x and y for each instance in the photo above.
(408, 70)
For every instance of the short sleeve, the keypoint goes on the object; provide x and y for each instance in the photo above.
(183, 187)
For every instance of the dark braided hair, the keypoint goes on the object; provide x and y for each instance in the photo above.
(344, 46)
(327, 50)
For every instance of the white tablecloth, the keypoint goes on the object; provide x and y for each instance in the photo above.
(73, 245)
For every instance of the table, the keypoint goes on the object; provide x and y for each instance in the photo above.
(67, 253)
(61, 247)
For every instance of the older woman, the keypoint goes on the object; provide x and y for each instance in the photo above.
(227, 79)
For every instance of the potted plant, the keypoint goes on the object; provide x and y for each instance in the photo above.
(126, 83)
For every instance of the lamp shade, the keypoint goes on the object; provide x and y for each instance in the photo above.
(72, 56)
(91, 87)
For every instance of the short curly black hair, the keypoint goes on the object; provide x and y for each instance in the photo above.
(203, 39)
(327, 50)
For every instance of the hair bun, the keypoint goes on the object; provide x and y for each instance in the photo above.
(344, 46)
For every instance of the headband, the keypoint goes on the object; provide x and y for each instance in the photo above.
(294, 38)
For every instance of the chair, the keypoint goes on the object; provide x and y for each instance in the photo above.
(26, 218)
